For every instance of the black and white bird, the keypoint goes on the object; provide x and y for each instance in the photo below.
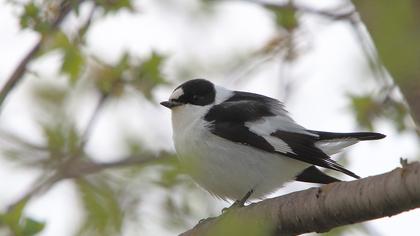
(238, 144)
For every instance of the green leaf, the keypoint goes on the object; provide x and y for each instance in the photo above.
(73, 62)
(55, 40)
(109, 78)
(13, 217)
(366, 110)
(18, 224)
(285, 17)
(30, 15)
(123, 64)
(148, 74)
(34, 18)
(115, 5)
(169, 176)
(32, 227)
(73, 58)
(104, 214)
(62, 137)
(59, 40)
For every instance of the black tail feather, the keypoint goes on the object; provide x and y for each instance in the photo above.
(314, 175)
(358, 135)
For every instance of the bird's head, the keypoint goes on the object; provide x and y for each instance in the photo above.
(198, 92)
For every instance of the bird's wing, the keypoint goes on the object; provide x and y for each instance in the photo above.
(261, 122)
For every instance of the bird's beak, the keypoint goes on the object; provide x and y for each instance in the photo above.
(170, 104)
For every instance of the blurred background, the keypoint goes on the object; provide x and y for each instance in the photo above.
(86, 148)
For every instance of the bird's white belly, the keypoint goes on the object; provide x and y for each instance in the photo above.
(229, 170)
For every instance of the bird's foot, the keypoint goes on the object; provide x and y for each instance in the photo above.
(238, 203)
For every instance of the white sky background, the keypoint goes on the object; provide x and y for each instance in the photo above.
(331, 66)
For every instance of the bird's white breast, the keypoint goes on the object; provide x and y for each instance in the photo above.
(224, 168)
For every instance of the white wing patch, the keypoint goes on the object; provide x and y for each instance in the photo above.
(334, 146)
(267, 125)
(278, 144)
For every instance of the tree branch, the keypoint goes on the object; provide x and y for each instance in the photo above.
(78, 167)
(321, 209)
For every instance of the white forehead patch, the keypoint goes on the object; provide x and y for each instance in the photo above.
(176, 94)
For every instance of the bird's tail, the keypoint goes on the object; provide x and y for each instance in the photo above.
(361, 136)
(331, 143)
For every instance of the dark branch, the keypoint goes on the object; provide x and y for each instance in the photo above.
(327, 207)
(95, 114)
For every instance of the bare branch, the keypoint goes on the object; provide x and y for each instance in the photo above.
(78, 167)
(88, 129)
(41, 184)
(327, 207)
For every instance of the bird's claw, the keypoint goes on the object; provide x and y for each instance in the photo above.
(238, 203)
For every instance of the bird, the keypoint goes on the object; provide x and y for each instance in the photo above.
(243, 146)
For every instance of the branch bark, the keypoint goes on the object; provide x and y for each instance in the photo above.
(321, 209)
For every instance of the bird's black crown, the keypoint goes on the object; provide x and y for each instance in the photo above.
(199, 92)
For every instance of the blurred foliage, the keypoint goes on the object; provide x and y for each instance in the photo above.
(366, 110)
(395, 26)
(354, 229)
(104, 213)
(73, 62)
(18, 224)
(106, 200)
(395, 32)
(111, 6)
(369, 109)
(34, 16)
(141, 74)
(229, 225)
(283, 44)
(111, 198)
(285, 17)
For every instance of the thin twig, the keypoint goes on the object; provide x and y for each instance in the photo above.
(368, 50)
(83, 168)
(86, 25)
(88, 129)
(41, 184)
(18, 73)
(8, 137)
